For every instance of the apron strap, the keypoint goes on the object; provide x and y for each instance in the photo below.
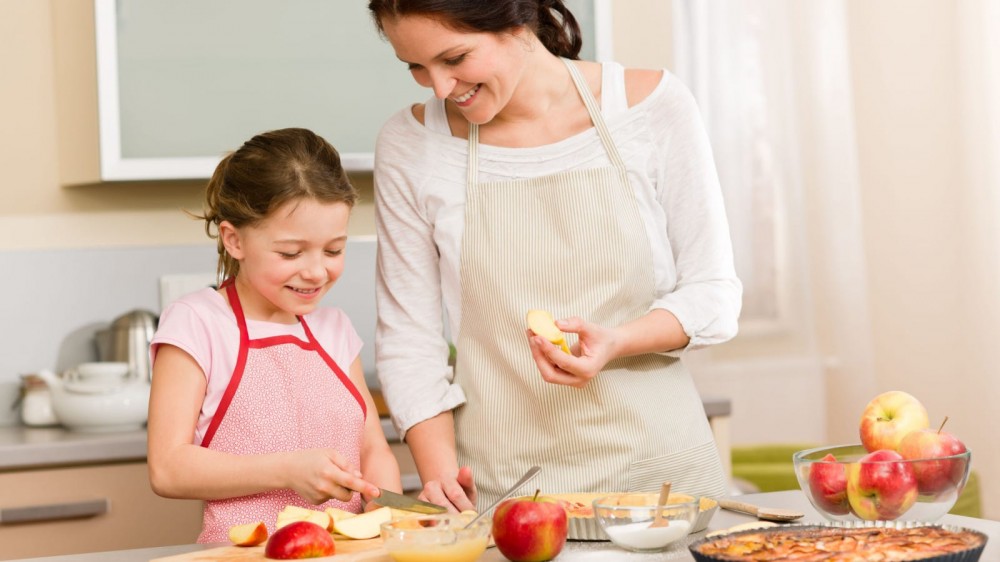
(241, 361)
(595, 115)
(592, 109)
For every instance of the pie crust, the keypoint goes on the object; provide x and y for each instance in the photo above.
(868, 541)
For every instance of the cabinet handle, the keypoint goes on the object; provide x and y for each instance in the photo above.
(69, 510)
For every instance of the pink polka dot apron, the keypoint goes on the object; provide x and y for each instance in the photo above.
(285, 394)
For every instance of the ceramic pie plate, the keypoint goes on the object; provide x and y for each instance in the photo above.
(969, 554)
(583, 526)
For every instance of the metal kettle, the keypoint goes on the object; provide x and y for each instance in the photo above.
(127, 340)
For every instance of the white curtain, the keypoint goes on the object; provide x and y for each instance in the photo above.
(772, 79)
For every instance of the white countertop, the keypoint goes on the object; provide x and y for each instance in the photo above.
(588, 551)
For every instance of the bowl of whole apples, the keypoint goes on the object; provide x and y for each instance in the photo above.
(903, 470)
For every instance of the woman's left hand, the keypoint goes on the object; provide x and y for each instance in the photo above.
(595, 348)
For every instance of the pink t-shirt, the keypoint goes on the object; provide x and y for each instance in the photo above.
(204, 326)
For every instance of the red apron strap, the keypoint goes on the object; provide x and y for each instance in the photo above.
(241, 361)
(344, 379)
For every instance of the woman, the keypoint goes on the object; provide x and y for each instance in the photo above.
(534, 180)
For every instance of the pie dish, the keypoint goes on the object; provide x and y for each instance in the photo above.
(583, 526)
(845, 542)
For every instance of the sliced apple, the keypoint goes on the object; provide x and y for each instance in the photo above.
(398, 514)
(293, 513)
(363, 526)
(337, 514)
(542, 323)
(248, 534)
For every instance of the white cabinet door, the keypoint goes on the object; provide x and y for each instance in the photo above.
(182, 82)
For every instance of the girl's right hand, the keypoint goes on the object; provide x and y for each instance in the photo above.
(457, 493)
(319, 475)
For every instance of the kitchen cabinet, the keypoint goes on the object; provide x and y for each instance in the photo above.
(182, 82)
(113, 505)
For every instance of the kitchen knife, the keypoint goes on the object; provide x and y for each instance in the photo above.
(406, 503)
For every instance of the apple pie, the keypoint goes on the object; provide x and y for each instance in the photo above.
(839, 544)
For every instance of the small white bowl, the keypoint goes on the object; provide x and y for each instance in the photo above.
(100, 373)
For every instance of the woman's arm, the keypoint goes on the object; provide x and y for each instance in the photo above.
(432, 443)
(179, 468)
(655, 332)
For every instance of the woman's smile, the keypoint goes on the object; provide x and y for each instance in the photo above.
(466, 99)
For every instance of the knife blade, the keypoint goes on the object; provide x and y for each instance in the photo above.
(406, 503)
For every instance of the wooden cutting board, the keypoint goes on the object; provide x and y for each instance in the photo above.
(370, 550)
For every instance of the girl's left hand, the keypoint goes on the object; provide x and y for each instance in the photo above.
(595, 348)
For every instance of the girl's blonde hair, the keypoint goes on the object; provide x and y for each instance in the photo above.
(268, 171)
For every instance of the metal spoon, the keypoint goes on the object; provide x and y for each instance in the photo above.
(524, 480)
(764, 513)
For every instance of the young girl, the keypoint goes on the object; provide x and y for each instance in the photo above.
(258, 397)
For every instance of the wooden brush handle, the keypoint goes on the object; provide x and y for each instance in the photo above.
(733, 505)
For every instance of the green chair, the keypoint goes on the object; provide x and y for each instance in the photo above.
(768, 468)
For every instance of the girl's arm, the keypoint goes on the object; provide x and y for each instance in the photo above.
(378, 464)
(178, 468)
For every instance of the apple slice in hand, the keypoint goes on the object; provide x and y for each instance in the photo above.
(542, 323)
(365, 526)
(249, 534)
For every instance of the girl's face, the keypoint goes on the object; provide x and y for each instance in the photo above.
(477, 72)
(289, 260)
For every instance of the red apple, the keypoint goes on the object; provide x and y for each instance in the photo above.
(879, 487)
(888, 418)
(828, 485)
(530, 528)
(935, 477)
(299, 539)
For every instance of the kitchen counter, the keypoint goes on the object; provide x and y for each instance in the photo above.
(590, 551)
(23, 447)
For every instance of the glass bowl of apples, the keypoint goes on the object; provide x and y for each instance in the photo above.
(441, 538)
(920, 482)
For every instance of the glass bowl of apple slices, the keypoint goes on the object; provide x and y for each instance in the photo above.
(436, 538)
(849, 483)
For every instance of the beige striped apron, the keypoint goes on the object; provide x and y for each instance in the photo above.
(572, 243)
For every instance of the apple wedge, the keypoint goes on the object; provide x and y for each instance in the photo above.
(293, 513)
(337, 514)
(248, 534)
(363, 526)
(542, 323)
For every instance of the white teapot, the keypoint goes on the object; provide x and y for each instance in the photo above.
(99, 397)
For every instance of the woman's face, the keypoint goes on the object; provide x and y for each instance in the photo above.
(477, 72)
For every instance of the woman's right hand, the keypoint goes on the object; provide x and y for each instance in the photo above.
(457, 493)
(319, 475)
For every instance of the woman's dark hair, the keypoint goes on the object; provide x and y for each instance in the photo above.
(550, 20)
(268, 171)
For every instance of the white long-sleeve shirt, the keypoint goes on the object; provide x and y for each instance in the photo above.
(420, 181)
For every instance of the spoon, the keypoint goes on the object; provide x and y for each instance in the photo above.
(659, 521)
(764, 513)
(524, 480)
